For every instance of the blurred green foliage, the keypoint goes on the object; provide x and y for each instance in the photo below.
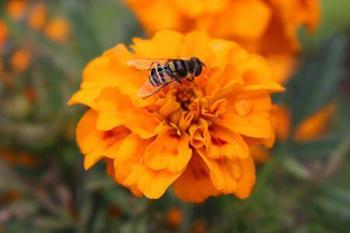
(303, 188)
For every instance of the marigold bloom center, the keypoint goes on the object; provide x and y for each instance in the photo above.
(185, 94)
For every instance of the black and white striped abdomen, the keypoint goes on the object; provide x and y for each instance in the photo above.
(160, 75)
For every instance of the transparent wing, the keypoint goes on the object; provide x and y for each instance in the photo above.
(145, 63)
(147, 89)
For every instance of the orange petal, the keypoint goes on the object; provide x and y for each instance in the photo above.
(91, 159)
(316, 125)
(128, 156)
(225, 143)
(248, 19)
(282, 65)
(87, 135)
(164, 44)
(255, 125)
(161, 12)
(153, 184)
(194, 184)
(221, 173)
(115, 109)
(168, 152)
(169, 106)
(131, 172)
(108, 70)
(199, 134)
(247, 180)
(96, 144)
(198, 44)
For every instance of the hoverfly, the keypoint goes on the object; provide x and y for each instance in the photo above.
(162, 72)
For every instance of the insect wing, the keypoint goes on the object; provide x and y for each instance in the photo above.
(147, 89)
(145, 64)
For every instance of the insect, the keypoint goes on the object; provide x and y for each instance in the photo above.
(162, 72)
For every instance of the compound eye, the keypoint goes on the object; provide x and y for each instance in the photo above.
(197, 70)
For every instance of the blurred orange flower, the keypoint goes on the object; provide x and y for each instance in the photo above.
(316, 125)
(37, 16)
(312, 128)
(18, 158)
(265, 25)
(20, 60)
(58, 29)
(16, 8)
(199, 226)
(3, 33)
(195, 135)
(174, 217)
(268, 27)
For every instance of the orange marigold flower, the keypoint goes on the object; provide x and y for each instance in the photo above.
(20, 60)
(268, 27)
(255, 23)
(16, 8)
(58, 29)
(37, 16)
(193, 136)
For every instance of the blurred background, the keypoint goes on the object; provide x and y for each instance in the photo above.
(44, 45)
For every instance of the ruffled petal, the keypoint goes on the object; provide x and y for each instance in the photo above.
(96, 144)
(153, 184)
(226, 144)
(195, 184)
(115, 109)
(163, 45)
(131, 171)
(247, 180)
(99, 74)
(169, 152)
(197, 44)
(223, 173)
(128, 156)
(247, 20)
(255, 126)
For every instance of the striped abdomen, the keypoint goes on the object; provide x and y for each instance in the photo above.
(173, 70)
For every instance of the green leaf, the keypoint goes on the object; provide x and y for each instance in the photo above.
(336, 202)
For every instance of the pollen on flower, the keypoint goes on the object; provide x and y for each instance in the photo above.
(191, 135)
